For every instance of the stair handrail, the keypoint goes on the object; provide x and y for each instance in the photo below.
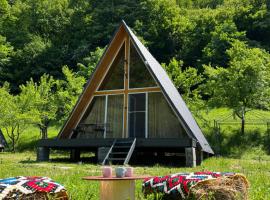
(110, 150)
(130, 152)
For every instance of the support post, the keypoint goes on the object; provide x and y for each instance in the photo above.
(75, 155)
(102, 152)
(190, 156)
(43, 154)
(199, 156)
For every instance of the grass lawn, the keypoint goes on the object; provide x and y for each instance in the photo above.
(245, 154)
(254, 166)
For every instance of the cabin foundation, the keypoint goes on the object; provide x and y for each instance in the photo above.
(190, 157)
(199, 156)
(101, 153)
(43, 154)
(75, 155)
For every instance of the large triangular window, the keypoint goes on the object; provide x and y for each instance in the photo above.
(114, 78)
(139, 76)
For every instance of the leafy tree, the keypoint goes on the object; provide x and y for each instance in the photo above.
(221, 39)
(187, 81)
(159, 21)
(4, 7)
(245, 84)
(199, 3)
(43, 98)
(89, 63)
(5, 52)
(45, 35)
(14, 115)
(68, 92)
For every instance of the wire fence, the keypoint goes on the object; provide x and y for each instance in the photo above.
(226, 122)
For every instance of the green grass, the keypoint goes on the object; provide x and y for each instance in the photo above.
(256, 169)
(247, 154)
(31, 135)
(230, 142)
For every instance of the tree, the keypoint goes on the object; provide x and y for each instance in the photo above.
(14, 115)
(187, 81)
(89, 63)
(221, 39)
(68, 92)
(5, 52)
(245, 84)
(51, 100)
(42, 98)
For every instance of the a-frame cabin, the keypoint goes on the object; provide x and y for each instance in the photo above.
(130, 108)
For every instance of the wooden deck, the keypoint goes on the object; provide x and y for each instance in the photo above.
(101, 142)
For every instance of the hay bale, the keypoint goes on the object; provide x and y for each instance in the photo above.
(62, 195)
(222, 188)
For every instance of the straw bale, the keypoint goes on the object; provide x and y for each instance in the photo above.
(222, 188)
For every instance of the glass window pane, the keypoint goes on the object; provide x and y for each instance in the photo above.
(139, 76)
(92, 124)
(137, 102)
(162, 122)
(137, 124)
(136, 115)
(115, 77)
(115, 116)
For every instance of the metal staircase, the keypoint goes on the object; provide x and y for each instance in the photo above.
(120, 152)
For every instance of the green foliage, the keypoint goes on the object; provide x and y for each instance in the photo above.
(90, 62)
(42, 98)
(4, 7)
(186, 80)
(221, 39)
(199, 3)
(45, 35)
(5, 52)
(14, 115)
(245, 84)
(68, 92)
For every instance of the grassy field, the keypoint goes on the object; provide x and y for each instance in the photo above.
(247, 154)
(255, 167)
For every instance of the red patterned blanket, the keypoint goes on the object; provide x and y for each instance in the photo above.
(20, 187)
(178, 184)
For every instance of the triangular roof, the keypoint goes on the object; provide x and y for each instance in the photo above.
(163, 80)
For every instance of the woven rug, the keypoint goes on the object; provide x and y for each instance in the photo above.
(180, 184)
(31, 188)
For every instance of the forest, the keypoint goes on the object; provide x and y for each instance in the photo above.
(215, 51)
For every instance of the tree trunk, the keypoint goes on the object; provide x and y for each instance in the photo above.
(243, 126)
(44, 128)
(44, 132)
(13, 145)
(243, 121)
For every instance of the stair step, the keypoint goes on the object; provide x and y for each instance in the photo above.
(124, 147)
(118, 153)
(123, 142)
(116, 159)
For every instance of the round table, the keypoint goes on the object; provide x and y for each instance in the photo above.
(116, 188)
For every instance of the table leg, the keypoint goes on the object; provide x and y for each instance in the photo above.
(117, 190)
